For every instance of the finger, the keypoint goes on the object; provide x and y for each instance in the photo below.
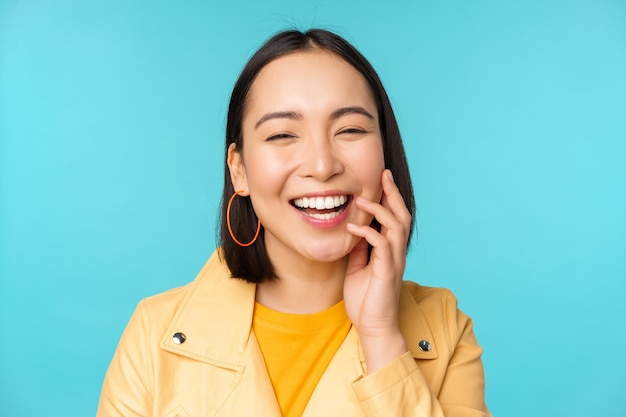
(378, 241)
(383, 261)
(392, 198)
(357, 259)
(392, 237)
(391, 225)
(392, 228)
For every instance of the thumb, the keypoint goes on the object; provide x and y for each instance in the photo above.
(357, 259)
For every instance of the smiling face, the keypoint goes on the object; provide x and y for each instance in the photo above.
(311, 144)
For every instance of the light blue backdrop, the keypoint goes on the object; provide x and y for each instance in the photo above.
(514, 115)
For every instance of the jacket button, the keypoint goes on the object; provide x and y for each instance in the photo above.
(424, 345)
(179, 338)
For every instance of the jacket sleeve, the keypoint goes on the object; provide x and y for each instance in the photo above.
(401, 389)
(127, 388)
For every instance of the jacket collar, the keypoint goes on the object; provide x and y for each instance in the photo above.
(216, 318)
(414, 326)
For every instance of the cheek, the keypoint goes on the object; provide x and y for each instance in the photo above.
(375, 185)
(370, 164)
(266, 171)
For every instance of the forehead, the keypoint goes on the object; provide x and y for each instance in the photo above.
(309, 80)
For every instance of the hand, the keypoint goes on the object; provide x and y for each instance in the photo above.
(372, 290)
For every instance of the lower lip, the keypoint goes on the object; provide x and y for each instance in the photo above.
(326, 223)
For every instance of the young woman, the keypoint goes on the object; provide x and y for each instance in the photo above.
(302, 311)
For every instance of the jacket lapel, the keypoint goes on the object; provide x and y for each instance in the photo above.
(216, 318)
(334, 394)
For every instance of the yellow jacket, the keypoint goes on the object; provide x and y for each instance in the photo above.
(218, 369)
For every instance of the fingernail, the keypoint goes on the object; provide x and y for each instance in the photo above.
(389, 174)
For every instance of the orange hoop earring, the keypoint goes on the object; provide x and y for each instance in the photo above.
(230, 230)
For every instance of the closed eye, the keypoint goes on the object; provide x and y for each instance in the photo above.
(280, 136)
(352, 130)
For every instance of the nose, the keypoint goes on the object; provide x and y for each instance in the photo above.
(322, 159)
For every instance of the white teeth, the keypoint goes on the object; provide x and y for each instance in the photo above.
(320, 203)
(325, 216)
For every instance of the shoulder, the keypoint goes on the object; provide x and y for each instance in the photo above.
(426, 294)
(428, 313)
(161, 308)
(430, 300)
(165, 304)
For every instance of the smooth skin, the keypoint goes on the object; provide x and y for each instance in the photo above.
(311, 129)
(372, 290)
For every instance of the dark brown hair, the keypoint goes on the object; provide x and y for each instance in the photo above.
(252, 263)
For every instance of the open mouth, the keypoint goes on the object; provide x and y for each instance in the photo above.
(322, 208)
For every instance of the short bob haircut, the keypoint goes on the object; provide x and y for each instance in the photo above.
(252, 263)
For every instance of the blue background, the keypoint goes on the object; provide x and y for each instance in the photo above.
(514, 116)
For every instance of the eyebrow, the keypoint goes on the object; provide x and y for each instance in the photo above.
(278, 115)
(298, 116)
(350, 110)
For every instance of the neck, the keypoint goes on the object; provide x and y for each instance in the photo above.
(303, 287)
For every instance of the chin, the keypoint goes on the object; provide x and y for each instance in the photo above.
(331, 252)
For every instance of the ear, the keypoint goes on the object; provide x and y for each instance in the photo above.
(237, 170)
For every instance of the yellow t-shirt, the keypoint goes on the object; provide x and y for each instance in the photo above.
(297, 349)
